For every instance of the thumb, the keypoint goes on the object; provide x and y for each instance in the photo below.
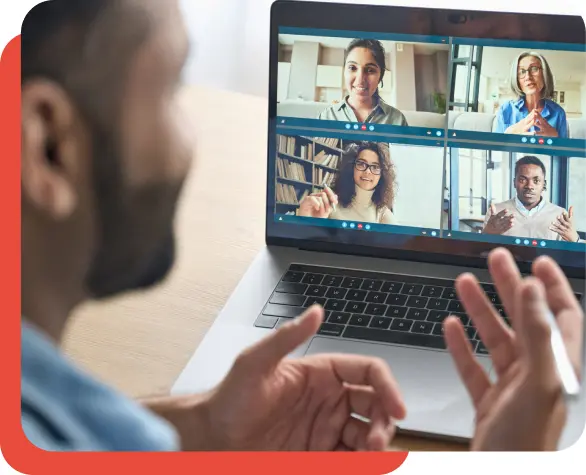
(267, 353)
(571, 212)
(492, 209)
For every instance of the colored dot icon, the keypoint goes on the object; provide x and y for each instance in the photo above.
(524, 140)
(371, 128)
(367, 227)
(348, 126)
(526, 242)
(344, 225)
(543, 244)
(549, 142)
(352, 225)
(517, 241)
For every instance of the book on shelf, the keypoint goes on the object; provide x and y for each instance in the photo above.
(330, 142)
(288, 145)
(327, 159)
(287, 194)
(324, 177)
(291, 171)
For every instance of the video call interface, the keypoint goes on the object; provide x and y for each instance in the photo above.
(443, 137)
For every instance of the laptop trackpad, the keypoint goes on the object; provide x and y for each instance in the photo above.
(436, 400)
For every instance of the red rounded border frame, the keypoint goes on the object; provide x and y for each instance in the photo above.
(25, 457)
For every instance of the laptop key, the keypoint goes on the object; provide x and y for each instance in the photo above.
(332, 280)
(376, 297)
(292, 276)
(396, 312)
(438, 329)
(339, 317)
(450, 294)
(438, 304)
(316, 291)
(288, 299)
(398, 337)
(336, 293)
(335, 305)
(463, 317)
(357, 295)
(352, 283)
(376, 309)
(381, 322)
(455, 306)
(412, 289)
(264, 321)
(391, 287)
(355, 307)
(313, 279)
(370, 284)
(471, 331)
(436, 316)
(417, 302)
(481, 349)
(314, 301)
(291, 288)
(417, 314)
(359, 320)
(494, 298)
(422, 327)
(432, 291)
(330, 329)
(396, 299)
(285, 311)
(401, 324)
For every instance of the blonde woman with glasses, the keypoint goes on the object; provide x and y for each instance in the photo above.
(533, 112)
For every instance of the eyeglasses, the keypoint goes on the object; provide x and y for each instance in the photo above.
(363, 166)
(533, 70)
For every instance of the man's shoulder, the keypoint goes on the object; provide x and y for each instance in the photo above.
(63, 408)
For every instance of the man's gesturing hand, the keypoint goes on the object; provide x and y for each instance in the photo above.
(270, 403)
(524, 409)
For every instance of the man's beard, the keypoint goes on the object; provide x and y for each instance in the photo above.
(135, 240)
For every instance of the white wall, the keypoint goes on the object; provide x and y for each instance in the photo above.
(232, 36)
(419, 175)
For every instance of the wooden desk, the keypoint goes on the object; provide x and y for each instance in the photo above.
(139, 343)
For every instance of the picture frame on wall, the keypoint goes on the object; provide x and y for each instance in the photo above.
(555, 96)
(562, 97)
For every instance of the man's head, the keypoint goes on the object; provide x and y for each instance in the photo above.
(530, 180)
(103, 153)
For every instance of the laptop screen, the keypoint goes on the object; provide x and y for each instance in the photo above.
(430, 143)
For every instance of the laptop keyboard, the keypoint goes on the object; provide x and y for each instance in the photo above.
(376, 307)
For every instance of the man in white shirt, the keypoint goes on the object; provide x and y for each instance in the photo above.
(529, 214)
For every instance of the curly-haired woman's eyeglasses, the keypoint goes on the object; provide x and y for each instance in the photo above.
(362, 166)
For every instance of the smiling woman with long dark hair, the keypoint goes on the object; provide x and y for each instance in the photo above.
(364, 71)
(364, 189)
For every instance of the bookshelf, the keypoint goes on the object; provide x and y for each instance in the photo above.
(303, 165)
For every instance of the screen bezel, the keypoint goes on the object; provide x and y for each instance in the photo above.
(412, 21)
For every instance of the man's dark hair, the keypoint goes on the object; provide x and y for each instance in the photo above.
(84, 46)
(344, 185)
(529, 160)
(376, 48)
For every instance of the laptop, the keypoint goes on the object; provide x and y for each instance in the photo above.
(411, 118)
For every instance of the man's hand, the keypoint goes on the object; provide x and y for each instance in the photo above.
(268, 403)
(498, 223)
(524, 409)
(318, 205)
(564, 226)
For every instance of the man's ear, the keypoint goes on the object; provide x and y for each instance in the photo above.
(544, 185)
(54, 150)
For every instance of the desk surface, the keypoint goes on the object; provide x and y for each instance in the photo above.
(139, 343)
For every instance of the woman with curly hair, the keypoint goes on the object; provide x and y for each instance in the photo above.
(364, 189)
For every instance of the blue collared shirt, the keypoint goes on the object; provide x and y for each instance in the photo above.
(512, 112)
(64, 409)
